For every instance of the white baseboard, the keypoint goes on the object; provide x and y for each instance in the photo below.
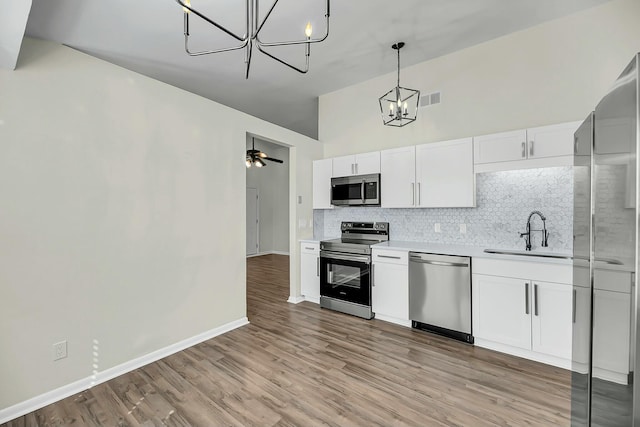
(295, 300)
(390, 319)
(525, 354)
(315, 300)
(30, 405)
(268, 253)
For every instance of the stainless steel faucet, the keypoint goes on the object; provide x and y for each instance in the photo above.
(527, 234)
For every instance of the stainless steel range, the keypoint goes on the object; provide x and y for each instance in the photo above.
(345, 268)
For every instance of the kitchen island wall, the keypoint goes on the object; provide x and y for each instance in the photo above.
(504, 200)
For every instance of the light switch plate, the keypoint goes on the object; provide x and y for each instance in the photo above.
(463, 228)
(436, 227)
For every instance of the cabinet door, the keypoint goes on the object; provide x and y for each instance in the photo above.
(552, 319)
(390, 291)
(551, 141)
(344, 166)
(322, 170)
(444, 174)
(611, 331)
(398, 176)
(500, 147)
(501, 310)
(367, 163)
(309, 274)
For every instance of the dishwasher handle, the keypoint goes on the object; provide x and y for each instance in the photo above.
(441, 263)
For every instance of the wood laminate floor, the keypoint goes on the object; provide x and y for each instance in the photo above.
(299, 365)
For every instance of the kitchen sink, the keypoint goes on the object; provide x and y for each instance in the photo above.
(528, 253)
(546, 255)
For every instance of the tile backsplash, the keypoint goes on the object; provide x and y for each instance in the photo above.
(504, 200)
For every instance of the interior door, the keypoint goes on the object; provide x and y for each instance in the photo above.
(252, 221)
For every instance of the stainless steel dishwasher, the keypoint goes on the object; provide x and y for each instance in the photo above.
(440, 294)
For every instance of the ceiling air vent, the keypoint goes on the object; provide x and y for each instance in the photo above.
(430, 99)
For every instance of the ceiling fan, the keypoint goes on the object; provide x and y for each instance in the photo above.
(254, 157)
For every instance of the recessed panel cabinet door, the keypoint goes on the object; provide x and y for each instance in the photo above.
(367, 163)
(501, 310)
(551, 141)
(552, 320)
(310, 271)
(390, 291)
(500, 147)
(444, 174)
(322, 170)
(398, 176)
(344, 166)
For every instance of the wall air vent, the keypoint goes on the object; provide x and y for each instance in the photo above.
(427, 99)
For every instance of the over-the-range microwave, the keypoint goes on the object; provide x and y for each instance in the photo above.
(358, 190)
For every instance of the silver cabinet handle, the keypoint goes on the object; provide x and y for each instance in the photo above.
(318, 266)
(388, 256)
(573, 312)
(356, 168)
(535, 299)
(526, 298)
(308, 248)
(524, 150)
(418, 194)
(413, 194)
(575, 144)
(530, 148)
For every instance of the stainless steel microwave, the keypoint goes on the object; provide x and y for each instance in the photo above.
(358, 190)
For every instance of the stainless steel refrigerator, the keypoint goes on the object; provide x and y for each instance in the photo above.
(606, 225)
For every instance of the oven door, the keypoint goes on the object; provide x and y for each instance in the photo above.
(346, 277)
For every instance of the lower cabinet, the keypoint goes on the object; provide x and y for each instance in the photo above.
(390, 286)
(524, 316)
(310, 271)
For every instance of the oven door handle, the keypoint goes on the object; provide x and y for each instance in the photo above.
(345, 257)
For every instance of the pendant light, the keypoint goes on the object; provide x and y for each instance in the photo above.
(399, 106)
(251, 36)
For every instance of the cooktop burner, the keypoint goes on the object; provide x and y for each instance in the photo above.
(358, 237)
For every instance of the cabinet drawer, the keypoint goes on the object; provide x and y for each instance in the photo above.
(390, 256)
(310, 248)
(532, 270)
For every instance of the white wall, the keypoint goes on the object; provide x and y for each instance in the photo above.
(122, 215)
(551, 73)
(272, 182)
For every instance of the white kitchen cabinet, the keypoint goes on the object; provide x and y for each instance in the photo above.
(501, 310)
(358, 164)
(398, 177)
(310, 271)
(537, 147)
(390, 286)
(500, 147)
(551, 324)
(322, 172)
(430, 175)
(444, 174)
(524, 308)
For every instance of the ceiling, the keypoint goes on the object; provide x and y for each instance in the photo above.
(146, 36)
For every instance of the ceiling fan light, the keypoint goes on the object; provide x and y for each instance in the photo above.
(248, 162)
(259, 163)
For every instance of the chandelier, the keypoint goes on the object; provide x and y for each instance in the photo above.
(399, 106)
(251, 37)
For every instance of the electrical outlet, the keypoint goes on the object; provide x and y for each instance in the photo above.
(60, 350)
(463, 228)
(436, 227)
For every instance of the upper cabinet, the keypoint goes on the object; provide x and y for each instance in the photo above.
(398, 177)
(444, 174)
(429, 175)
(322, 170)
(358, 164)
(542, 146)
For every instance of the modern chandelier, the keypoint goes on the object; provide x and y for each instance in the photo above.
(251, 37)
(399, 106)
